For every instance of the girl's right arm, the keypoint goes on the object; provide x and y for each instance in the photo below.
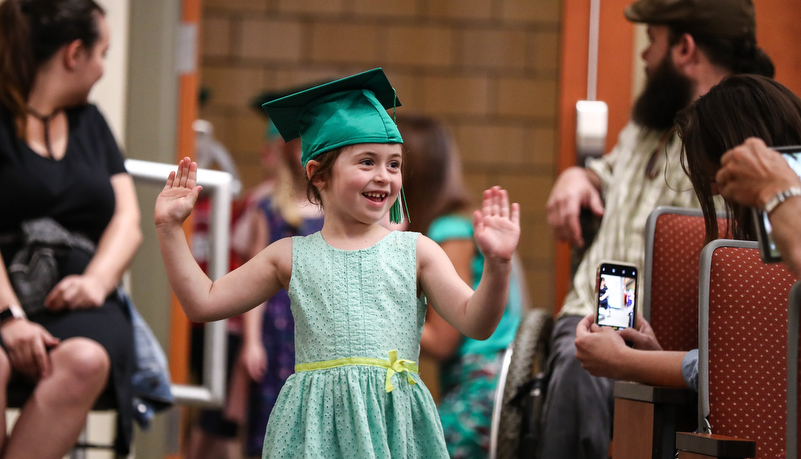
(235, 293)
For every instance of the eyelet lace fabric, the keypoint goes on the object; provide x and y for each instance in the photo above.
(355, 303)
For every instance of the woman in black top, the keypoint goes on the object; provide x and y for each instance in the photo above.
(58, 159)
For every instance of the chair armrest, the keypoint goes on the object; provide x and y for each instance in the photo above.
(653, 394)
(715, 445)
(649, 417)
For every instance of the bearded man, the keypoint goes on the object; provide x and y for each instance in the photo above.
(693, 45)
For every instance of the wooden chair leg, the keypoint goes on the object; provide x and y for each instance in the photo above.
(647, 419)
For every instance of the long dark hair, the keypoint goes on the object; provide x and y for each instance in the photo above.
(432, 173)
(737, 55)
(31, 32)
(739, 107)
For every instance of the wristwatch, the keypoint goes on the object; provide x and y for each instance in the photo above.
(780, 197)
(9, 313)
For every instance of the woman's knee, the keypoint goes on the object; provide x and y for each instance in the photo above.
(83, 360)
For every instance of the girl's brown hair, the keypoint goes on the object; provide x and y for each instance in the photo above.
(323, 171)
(739, 107)
(31, 32)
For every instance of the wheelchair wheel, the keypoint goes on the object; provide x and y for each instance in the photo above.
(520, 391)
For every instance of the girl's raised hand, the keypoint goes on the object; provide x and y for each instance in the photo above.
(497, 229)
(176, 200)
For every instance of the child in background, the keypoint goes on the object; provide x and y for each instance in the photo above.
(358, 290)
(269, 330)
(216, 434)
(468, 369)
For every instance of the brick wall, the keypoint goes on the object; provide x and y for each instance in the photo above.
(488, 68)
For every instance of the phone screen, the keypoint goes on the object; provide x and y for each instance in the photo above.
(616, 288)
(767, 245)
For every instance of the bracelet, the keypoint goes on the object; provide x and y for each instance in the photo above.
(13, 311)
(780, 197)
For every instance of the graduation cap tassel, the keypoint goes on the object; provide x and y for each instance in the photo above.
(396, 211)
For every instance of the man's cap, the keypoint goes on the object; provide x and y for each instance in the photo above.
(713, 18)
(263, 97)
(343, 112)
(256, 102)
(268, 95)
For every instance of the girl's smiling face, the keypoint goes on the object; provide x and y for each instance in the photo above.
(364, 181)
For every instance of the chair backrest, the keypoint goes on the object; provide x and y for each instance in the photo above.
(742, 358)
(793, 325)
(674, 238)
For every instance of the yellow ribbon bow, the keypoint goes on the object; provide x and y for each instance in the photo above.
(399, 366)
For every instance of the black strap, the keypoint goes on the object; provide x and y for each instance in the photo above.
(45, 119)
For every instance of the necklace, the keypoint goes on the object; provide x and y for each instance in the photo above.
(45, 119)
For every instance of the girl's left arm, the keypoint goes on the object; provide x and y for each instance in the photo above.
(496, 231)
(114, 253)
(439, 339)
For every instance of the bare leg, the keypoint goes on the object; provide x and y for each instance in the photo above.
(52, 419)
(205, 445)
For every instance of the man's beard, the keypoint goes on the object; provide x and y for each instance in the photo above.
(666, 92)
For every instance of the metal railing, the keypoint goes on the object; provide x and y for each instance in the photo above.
(211, 392)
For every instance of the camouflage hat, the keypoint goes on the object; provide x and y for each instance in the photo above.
(715, 18)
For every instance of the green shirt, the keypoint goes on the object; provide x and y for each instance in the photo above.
(454, 227)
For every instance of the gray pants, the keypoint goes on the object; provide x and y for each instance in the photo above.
(577, 417)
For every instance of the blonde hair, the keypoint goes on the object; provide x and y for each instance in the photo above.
(285, 197)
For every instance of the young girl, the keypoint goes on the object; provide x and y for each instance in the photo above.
(358, 290)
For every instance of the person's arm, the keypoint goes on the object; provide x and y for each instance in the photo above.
(253, 354)
(440, 340)
(603, 352)
(235, 293)
(114, 253)
(496, 232)
(25, 342)
(575, 189)
(259, 232)
(786, 220)
(751, 174)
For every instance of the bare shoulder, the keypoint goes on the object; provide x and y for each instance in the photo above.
(428, 251)
(277, 258)
(424, 245)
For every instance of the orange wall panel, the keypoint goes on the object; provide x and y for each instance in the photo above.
(777, 34)
(614, 81)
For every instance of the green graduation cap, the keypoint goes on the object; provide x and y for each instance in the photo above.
(343, 112)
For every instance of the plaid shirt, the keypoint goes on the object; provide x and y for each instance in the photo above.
(631, 189)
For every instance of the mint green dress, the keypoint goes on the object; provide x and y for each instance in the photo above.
(355, 304)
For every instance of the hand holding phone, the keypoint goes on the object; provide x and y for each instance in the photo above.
(616, 289)
(767, 245)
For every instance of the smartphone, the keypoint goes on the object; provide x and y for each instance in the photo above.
(616, 290)
(767, 245)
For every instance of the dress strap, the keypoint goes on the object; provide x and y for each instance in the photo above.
(393, 365)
